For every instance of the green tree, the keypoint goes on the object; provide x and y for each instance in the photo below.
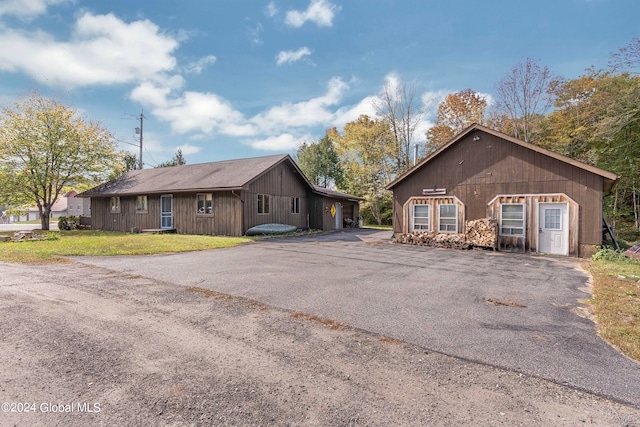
(177, 160)
(367, 153)
(320, 163)
(46, 146)
(456, 111)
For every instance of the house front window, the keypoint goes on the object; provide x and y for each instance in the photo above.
(263, 204)
(205, 204)
(295, 205)
(115, 205)
(421, 217)
(141, 204)
(448, 219)
(512, 219)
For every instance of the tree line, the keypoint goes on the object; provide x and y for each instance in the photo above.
(594, 118)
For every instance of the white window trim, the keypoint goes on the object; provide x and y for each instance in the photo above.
(413, 217)
(524, 220)
(456, 218)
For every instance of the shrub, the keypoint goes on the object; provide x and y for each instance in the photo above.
(69, 222)
(609, 254)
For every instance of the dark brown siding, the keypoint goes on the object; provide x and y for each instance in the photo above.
(226, 219)
(477, 171)
(280, 183)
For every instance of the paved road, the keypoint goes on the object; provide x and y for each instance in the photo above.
(434, 298)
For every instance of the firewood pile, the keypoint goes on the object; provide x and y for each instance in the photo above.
(482, 232)
(432, 239)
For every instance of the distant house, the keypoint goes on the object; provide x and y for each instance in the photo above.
(60, 208)
(218, 198)
(543, 201)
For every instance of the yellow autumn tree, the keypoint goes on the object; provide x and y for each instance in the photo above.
(456, 111)
(46, 146)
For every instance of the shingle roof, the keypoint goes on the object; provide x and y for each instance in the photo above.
(333, 193)
(227, 174)
(609, 179)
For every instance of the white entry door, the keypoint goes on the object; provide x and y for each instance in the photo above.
(553, 224)
(166, 211)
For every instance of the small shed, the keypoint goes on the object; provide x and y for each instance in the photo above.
(217, 198)
(543, 201)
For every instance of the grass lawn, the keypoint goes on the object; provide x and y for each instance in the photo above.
(616, 303)
(99, 243)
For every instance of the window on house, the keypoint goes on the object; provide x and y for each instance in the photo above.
(263, 203)
(141, 204)
(70, 208)
(512, 219)
(448, 221)
(79, 207)
(421, 217)
(115, 205)
(205, 204)
(295, 205)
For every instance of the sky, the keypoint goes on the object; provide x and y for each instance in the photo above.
(242, 78)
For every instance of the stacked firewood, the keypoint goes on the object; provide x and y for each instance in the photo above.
(436, 240)
(482, 232)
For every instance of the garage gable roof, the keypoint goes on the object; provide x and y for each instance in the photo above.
(608, 177)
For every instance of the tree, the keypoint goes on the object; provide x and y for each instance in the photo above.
(46, 146)
(523, 97)
(398, 110)
(367, 154)
(456, 111)
(320, 163)
(627, 57)
(177, 160)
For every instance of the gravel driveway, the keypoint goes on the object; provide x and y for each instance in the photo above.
(518, 312)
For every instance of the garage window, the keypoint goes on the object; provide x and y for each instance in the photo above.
(141, 204)
(420, 217)
(512, 219)
(448, 221)
(115, 205)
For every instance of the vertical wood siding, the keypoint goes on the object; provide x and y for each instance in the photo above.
(280, 183)
(477, 171)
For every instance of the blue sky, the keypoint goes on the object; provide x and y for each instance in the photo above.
(243, 78)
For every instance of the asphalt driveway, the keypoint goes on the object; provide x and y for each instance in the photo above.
(518, 312)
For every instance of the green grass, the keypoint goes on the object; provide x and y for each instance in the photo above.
(103, 243)
(616, 302)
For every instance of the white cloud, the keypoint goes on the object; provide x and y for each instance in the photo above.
(196, 67)
(103, 50)
(302, 114)
(254, 34)
(320, 12)
(348, 114)
(283, 142)
(271, 10)
(188, 149)
(291, 56)
(26, 9)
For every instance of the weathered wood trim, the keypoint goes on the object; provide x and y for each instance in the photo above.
(434, 202)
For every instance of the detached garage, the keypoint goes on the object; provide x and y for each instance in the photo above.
(542, 201)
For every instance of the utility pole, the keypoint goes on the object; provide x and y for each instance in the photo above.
(139, 131)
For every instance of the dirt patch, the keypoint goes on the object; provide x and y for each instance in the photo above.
(126, 350)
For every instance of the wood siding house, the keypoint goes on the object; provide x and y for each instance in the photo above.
(218, 198)
(542, 201)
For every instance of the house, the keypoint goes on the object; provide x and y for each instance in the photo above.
(78, 206)
(543, 201)
(218, 198)
(59, 208)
